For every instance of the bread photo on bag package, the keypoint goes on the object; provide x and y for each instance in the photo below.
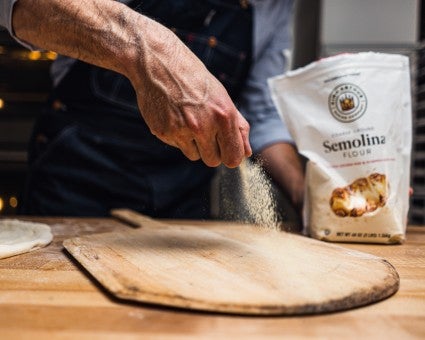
(350, 115)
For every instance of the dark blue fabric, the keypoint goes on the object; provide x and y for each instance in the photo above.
(94, 152)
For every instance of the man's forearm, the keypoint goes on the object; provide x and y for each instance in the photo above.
(100, 32)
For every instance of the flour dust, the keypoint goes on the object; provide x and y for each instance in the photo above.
(247, 196)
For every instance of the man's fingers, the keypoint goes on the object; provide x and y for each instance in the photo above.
(223, 138)
(189, 149)
(209, 150)
(234, 142)
(232, 149)
(244, 131)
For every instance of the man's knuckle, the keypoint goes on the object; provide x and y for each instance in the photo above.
(195, 127)
(245, 127)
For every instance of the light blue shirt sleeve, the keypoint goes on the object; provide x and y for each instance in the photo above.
(272, 36)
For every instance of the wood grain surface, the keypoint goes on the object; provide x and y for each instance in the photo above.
(47, 295)
(232, 269)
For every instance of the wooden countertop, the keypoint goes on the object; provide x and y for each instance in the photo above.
(45, 293)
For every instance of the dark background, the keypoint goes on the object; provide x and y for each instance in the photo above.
(25, 84)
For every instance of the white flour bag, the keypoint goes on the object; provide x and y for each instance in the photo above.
(350, 116)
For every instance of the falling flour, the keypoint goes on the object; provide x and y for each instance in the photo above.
(257, 195)
(246, 196)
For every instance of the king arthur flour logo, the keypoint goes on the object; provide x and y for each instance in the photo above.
(347, 102)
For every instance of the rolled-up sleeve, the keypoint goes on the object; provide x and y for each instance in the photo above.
(6, 7)
(272, 36)
(6, 10)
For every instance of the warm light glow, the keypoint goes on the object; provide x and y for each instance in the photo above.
(1, 103)
(13, 202)
(51, 55)
(34, 55)
(1, 204)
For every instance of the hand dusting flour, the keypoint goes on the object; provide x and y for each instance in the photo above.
(247, 197)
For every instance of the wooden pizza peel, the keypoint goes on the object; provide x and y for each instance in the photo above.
(231, 268)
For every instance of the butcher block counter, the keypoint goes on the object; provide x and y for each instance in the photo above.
(48, 294)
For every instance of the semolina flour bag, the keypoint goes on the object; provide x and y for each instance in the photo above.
(350, 116)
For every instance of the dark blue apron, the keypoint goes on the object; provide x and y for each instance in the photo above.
(91, 151)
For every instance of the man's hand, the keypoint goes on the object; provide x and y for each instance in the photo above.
(184, 104)
(181, 102)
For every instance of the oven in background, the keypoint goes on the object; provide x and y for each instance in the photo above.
(24, 87)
